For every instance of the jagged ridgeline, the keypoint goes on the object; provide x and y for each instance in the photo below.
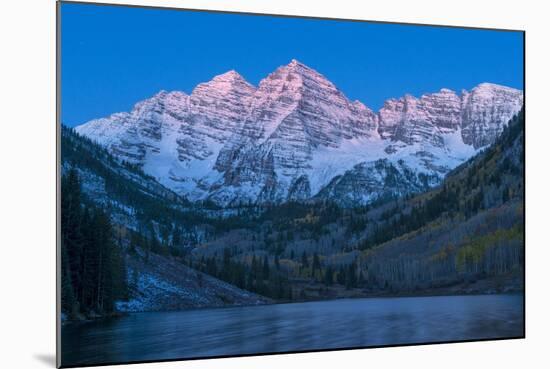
(297, 137)
(131, 244)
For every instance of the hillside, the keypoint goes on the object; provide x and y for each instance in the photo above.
(463, 236)
(144, 273)
(468, 230)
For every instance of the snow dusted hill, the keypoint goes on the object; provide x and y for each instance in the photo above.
(296, 136)
(162, 284)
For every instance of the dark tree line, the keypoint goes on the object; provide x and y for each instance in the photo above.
(93, 270)
(259, 276)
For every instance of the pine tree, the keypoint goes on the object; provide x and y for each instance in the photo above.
(316, 263)
(93, 270)
(305, 263)
(265, 272)
(176, 236)
(71, 226)
(341, 278)
(328, 276)
(68, 301)
(351, 277)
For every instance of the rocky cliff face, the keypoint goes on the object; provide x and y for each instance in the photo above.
(411, 120)
(374, 181)
(483, 111)
(296, 133)
(295, 112)
(481, 115)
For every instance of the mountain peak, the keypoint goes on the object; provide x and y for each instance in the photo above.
(158, 96)
(446, 91)
(225, 83)
(299, 67)
(295, 62)
(161, 97)
(300, 75)
(487, 86)
(229, 76)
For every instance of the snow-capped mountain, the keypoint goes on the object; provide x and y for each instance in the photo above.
(483, 110)
(294, 113)
(370, 181)
(297, 136)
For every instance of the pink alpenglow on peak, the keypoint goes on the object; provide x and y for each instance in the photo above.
(289, 138)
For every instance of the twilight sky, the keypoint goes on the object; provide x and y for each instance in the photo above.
(112, 57)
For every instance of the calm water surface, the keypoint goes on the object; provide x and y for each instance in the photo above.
(292, 327)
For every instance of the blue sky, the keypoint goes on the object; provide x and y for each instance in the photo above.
(113, 57)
